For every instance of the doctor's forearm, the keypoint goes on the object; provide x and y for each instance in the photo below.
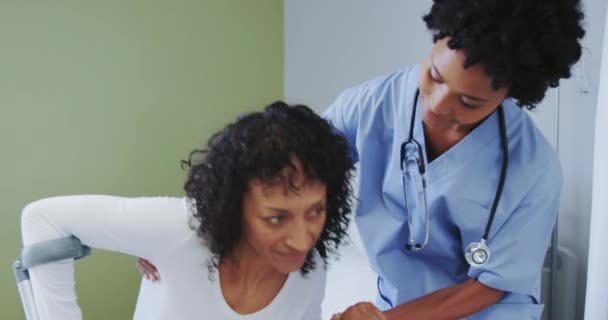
(450, 303)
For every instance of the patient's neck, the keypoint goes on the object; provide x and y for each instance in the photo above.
(248, 267)
(248, 281)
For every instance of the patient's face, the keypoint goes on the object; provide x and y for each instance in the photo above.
(280, 225)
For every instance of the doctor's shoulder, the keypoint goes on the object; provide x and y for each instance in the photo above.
(532, 156)
(382, 93)
(380, 86)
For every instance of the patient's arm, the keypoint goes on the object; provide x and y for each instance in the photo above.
(146, 227)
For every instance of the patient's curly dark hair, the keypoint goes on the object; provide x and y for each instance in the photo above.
(527, 44)
(261, 145)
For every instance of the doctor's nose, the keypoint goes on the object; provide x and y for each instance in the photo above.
(438, 102)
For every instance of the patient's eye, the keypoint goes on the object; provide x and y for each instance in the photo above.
(317, 212)
(275, 219)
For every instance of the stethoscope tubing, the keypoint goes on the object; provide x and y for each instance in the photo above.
(422, 170)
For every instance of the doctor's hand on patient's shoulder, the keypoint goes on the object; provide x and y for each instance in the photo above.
(147, 269)
(360, 311)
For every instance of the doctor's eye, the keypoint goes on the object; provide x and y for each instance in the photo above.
(434, 76)
(468, 105)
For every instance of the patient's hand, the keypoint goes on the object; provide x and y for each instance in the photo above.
(360, 311)
(147, 269)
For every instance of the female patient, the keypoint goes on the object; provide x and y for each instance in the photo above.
(266, 203)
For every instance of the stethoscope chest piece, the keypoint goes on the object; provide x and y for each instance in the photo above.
(477, 254)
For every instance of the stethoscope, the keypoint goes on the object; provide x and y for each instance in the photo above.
(477, 253)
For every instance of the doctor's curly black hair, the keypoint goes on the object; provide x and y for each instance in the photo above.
(261, 145)
(527, 44)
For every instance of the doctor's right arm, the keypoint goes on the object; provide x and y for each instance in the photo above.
(344, 114)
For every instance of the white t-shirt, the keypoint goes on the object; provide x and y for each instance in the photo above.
(156, 229)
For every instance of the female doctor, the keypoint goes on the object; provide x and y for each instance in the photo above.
(458, 189)
(461, 183)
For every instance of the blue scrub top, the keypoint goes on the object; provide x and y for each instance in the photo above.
(461, 184)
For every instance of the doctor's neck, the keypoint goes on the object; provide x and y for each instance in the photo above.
(439, 140)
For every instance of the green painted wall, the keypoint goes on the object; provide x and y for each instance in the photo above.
(108, 96)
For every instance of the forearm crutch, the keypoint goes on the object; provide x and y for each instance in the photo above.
(41, 253)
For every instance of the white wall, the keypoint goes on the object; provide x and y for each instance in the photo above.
(577, 137)
(597, 291)
(332, 45)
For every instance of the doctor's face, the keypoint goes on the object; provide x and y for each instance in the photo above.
(454, 98)
(281, 225)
